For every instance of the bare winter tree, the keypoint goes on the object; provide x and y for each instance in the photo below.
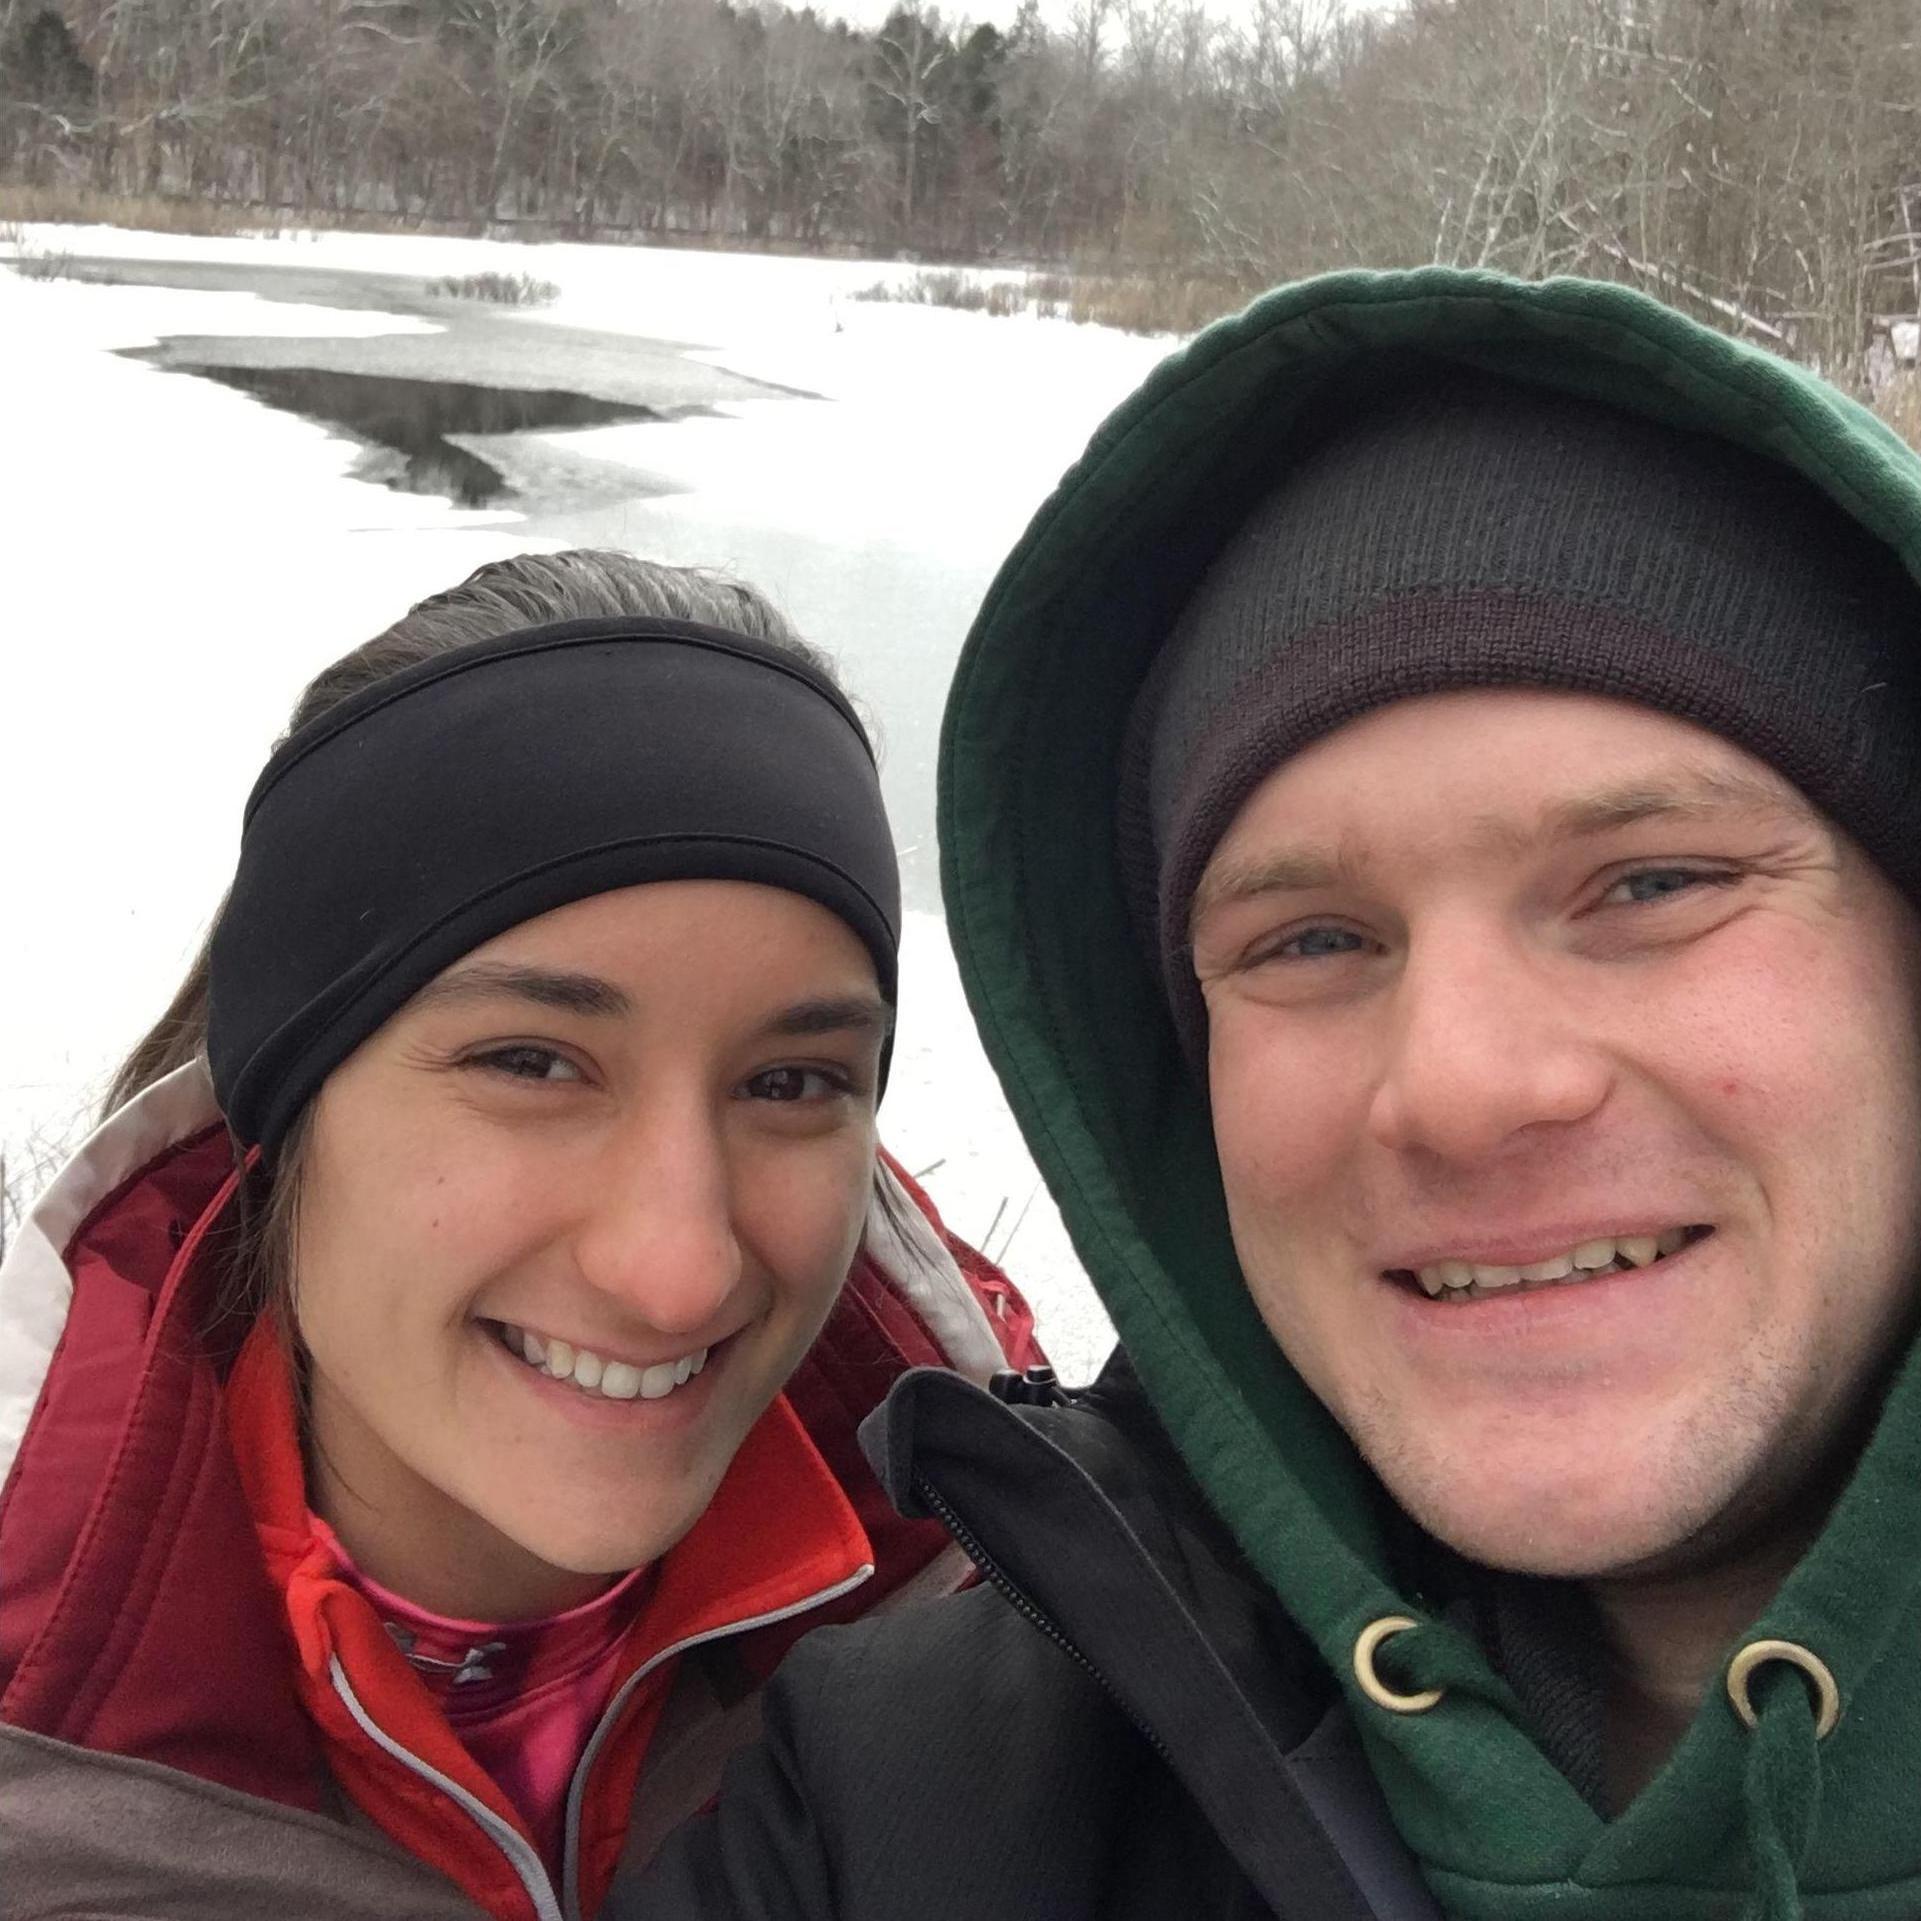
(908, 55)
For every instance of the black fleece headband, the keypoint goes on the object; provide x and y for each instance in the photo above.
(449, 802)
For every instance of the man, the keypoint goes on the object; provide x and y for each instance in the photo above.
(1431, 820)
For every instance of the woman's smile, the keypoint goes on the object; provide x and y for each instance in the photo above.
(692, 1384)
(595, 1372)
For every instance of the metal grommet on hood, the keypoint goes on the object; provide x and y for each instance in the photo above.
(1757, 1654)
(1367, 1644)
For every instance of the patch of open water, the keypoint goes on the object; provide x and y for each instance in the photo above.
(416, 420)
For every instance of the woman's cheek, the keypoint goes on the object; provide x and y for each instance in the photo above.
(809, 1215)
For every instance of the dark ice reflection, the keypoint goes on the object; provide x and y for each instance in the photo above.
(412, 419)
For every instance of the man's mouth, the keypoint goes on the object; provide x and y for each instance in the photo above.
(593, 1373)
(1459, 1280)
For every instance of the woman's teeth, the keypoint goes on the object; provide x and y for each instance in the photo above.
(1472, 1281)
(611, 1380)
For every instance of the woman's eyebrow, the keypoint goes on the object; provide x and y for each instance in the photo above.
(566, 992)
(572, 993)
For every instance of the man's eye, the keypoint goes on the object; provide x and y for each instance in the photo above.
(1650, 884)
(787, 1084)
(528, 1064)
(1316, 943)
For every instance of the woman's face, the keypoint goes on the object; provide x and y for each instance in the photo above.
(567, 1223)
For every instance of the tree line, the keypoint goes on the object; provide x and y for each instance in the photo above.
(1756, 160)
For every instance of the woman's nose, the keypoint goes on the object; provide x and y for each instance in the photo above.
(1482, 1046)
(657, 1226)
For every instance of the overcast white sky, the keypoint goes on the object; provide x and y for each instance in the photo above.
(1060, 13)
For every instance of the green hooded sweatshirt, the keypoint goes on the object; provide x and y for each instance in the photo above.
(1769, 1822)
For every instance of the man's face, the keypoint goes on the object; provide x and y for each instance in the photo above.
(1509, 980)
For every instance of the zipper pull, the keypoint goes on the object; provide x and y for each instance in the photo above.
(472, 1666)
(1036, 1387)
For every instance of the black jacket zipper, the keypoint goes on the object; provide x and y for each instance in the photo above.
(1016, 1598)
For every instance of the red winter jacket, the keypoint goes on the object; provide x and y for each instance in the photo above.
(191, 1724)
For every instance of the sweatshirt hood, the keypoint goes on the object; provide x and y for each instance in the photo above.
(1073, 1016)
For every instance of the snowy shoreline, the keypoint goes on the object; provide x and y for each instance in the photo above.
(192, 557)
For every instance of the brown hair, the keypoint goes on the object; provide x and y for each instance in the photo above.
(525, 591)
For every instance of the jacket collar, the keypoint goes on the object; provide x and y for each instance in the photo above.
(778, 1533)
(1083, 1517)
(778, 1540)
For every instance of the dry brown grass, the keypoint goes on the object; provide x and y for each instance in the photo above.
(34, 263)
(159, 213)
(949, 287)
(1152, 303)
(1135, 302)
(1899, 405)
(501, 289)
(81, 206)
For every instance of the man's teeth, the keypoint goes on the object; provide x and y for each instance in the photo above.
(1470, 1280)
(611, 1380)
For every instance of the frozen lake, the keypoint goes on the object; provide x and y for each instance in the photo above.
(193, 548)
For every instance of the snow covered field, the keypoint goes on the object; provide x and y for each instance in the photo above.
(184, 558)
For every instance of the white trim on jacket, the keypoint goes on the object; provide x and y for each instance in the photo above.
(35, 1287)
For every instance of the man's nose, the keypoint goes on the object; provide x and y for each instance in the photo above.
(1484, 1043)
(656, 1225)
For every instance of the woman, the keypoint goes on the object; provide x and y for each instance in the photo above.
(463, 1314)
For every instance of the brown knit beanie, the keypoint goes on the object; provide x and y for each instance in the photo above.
(1468, 531)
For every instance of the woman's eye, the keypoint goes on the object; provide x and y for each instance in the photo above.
(528, 1064)
(1649, 884)
(788, 1084)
